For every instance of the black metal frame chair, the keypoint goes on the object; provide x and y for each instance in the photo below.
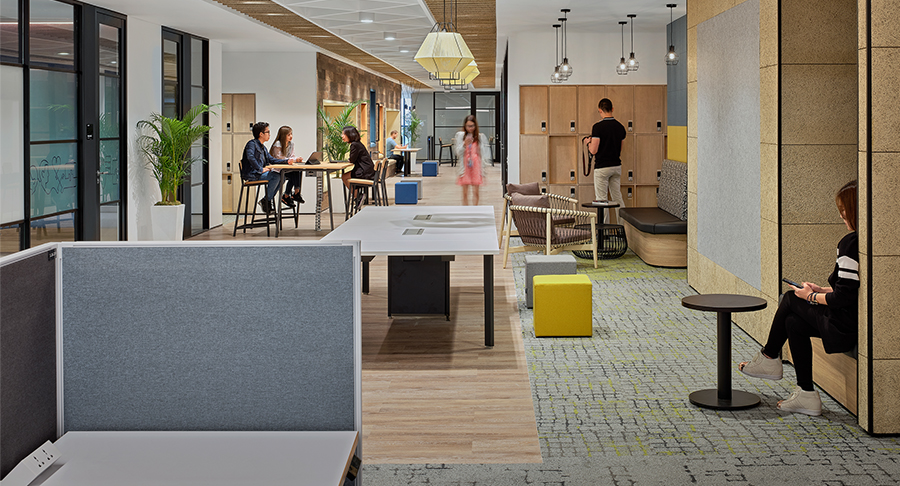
(254, 221)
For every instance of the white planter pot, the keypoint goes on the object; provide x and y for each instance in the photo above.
(167, 222)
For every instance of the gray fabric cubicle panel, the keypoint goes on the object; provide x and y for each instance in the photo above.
(208, 338)
(728, 137)
(27, 357)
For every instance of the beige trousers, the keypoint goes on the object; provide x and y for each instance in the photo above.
(609, 178)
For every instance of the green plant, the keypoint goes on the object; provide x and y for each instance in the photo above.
(166, 142)
(413, 128)
(332, 127)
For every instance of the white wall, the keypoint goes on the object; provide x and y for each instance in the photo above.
(144, 96)
(593, 57)
(285, 87)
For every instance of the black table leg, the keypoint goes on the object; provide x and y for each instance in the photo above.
(724, 397)
(406, 159)
(365, 274)
(489, 300)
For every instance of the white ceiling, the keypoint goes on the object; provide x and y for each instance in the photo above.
(410, 20)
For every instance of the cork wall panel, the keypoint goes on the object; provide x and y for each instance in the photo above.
(339, 81)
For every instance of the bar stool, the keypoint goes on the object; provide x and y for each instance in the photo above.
(364, 185)
(449, 149)
(247, 186)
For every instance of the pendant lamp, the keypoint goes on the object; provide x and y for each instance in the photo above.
(565, 69)
(622, 67)
(444, 53)
(671, 56)
(556, 77)
(466, 76)
(633, 63)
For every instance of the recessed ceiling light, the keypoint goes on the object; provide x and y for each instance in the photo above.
(404, 49)
(113, 62)
(366, 18)
(62, 53)
(390, 35)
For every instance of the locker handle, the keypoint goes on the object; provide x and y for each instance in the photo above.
(543, 126)
(658, 125)
(572, 126)
(228, 178)
(543, 190)
(630, 176)
(629, 192)
(543, 177)
(658, 174)
(630, 126)
(228, 126)
(572, 191)
(571, 175)
(227, 166)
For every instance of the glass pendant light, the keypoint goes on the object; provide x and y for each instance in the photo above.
(565, 69)
(633, 63)
(622, 68)
(557, 76)
(671, 56)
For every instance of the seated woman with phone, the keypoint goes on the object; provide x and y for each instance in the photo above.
(809, 311)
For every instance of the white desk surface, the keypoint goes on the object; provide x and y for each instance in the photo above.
(201, 458)
(407, 149)
(452, 230)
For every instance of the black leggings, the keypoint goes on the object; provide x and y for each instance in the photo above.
(795, 321)
(293, 181)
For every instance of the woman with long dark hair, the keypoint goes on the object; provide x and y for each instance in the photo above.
(283, 148)
(809, 311)
(473, 152)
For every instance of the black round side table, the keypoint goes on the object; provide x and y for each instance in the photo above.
(723, 397)
(611, 240)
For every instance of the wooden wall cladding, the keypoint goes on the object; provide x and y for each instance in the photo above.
(339, 81)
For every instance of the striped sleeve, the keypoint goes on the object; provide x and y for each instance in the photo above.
(845, 278)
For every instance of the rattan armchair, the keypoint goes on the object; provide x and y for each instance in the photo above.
(539, 231)
(556, 202)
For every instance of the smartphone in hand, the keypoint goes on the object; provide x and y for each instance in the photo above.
(791, 282)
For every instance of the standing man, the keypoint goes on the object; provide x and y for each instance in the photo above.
(256, 161)
(605, 145)
(389, 145)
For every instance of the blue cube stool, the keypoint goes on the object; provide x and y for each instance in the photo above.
(406, 192)
(429, 168)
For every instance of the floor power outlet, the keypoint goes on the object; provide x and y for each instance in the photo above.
(32, 466)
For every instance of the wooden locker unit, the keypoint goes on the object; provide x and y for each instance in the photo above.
(533, 150)
(563, 106)
(228, 164)
(649, 153)
(243, 112)
(228, 201)
(628, 195)
(650, 109)
(622, 97)
(568, 190)
(627, 157)
(226, 114)
(588, 98)
(645, 196)
(562, 160)
(533, 110)
(585, 195)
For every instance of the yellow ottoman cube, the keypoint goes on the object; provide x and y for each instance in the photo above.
(562, 305)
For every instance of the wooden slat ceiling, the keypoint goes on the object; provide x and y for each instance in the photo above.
(476, 20)
(477, 23)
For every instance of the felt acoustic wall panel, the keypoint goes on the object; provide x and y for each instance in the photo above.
(27, 356)
(728, 134)
(208, 338)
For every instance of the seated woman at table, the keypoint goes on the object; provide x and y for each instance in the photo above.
(284, 139)
(812, 311)
(363, 167)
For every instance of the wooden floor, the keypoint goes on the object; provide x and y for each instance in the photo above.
(432, 393)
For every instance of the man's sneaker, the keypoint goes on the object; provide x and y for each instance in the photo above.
(800, 401)
(763, 367)
(297, 197)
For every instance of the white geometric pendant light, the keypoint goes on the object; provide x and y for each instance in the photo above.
(466, 76)
(444, 53)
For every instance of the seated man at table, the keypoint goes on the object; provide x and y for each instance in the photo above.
(389, 145)
(256, 161)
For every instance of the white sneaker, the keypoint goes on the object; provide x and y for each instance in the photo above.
(800, 401)
(763, 367)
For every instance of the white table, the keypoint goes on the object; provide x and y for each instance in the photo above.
(445, 231)
(201, 458)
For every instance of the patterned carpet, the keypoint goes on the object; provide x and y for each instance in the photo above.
(613, 408)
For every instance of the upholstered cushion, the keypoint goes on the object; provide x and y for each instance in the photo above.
(654, 221)
(528, 223)
(672, 196)
(530, 188)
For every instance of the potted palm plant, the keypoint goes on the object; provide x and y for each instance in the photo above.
(413, 128)
(335, 148)
(166, 143)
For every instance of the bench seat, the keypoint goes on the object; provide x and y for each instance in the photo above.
(654, 221)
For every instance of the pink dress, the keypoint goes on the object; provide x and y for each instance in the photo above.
(472, 161)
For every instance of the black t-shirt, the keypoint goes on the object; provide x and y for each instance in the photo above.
(611, 133)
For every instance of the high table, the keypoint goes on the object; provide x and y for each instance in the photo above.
(201, 458)
(723, 397)
(409, 158)
(613, 234)
(323, 171)
(427, 231)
